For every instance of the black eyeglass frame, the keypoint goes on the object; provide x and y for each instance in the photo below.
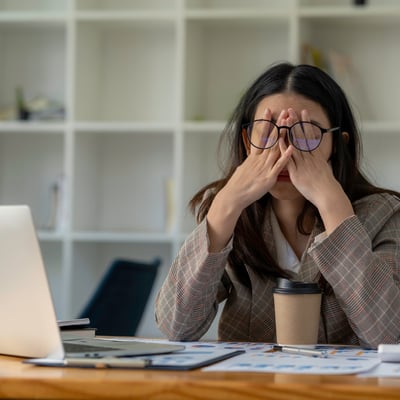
(290, 134)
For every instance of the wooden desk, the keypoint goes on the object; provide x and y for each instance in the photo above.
(22, 381)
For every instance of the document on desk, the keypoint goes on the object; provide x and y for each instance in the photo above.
(196, 354)
(261, 357)
(339, 361)
(383, 370)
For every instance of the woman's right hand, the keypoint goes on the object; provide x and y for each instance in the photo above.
(252, 179)
(259, 172)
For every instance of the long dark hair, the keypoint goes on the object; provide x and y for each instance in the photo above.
(249, 247)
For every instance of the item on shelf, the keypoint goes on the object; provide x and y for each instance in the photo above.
(57, 217)
(342, 68)
(313, 56)
(39, 108)
(42, 108)
(21, 107)
(169, 205)
(8, 113)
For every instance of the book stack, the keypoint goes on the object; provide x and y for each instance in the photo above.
(76, 328)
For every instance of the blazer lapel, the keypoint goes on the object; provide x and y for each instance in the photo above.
(308, 270)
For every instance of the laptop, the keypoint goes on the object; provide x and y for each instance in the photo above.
(29, 325)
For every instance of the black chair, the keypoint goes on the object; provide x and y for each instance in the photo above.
(119, 300)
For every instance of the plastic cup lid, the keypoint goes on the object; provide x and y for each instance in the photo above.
(287, 286)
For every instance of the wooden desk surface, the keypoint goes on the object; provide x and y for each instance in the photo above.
(22, 381)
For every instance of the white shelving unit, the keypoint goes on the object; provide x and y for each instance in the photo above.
(147, 86)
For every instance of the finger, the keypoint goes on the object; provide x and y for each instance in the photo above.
(286, 150)
(265, 134)
(305, 116)
(267, 114)
(277, 132)
(256, 146)
(293, 116)
(260, 133)
(282, 117)
(293, 119)
(304, 134)
(283, 120)
(287, 154)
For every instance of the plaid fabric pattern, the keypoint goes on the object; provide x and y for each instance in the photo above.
(360, 262)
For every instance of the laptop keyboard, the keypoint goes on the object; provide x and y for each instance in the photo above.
(84, 348)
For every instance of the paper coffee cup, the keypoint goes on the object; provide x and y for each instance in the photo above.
(297, 312)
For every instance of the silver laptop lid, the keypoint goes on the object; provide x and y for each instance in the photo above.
(28, 321)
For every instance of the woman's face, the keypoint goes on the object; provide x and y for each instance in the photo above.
(293, 104)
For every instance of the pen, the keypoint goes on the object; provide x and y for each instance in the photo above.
(107, 362)
(301, 351)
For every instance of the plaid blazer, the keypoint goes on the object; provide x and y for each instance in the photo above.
(359, 263)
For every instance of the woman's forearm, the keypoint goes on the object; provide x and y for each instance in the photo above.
(187, 302)
(365, 279)
(221, 221)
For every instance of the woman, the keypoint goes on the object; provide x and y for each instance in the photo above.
(293, 203)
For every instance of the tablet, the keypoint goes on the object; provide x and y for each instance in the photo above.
(181, 361)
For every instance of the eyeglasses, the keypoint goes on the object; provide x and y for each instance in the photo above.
(304, 135)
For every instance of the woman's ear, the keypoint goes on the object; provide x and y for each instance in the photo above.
(246, 140)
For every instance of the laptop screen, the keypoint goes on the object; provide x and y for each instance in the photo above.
(28, 321)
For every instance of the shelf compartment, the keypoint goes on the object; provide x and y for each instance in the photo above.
(111, 191)
(382, 167)
(34, 59)
(52, 253)
(201, 167)
(223, 58)
(350, 50)
(91, 260)
(30, 163)
(125, 71)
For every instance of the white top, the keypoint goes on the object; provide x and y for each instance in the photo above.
(287, 258)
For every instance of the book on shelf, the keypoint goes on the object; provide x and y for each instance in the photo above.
(343, 69)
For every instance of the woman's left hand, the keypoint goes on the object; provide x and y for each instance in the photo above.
(311, 173)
